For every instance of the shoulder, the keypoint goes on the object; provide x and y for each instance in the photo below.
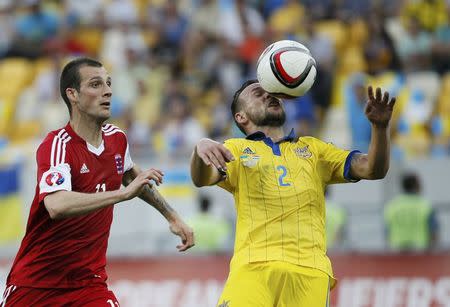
(54, 137)
(54, 145)
(112, 131)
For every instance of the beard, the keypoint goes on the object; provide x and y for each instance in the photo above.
(271, 119)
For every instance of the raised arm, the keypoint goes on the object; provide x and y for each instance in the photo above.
(208, 162)
(150, 195)
(375, 164)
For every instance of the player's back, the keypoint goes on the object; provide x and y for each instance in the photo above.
(70, 252)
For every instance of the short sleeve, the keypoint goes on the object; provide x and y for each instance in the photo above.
(52, 177)
(230, 180)
(128, 162)
(334, 163)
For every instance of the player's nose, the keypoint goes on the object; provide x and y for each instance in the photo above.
(108, 92)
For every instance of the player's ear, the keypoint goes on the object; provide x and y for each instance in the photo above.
(241, 118)
(72, 94)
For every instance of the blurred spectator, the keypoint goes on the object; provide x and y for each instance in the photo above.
(413, 130)
(335, 220)
(172, 27)
(180, 130)
(430, 14)
(7, 26)
(287, 19)
(441, 47)
(212, 234)
(235, 18)
(414, 47)
(118, 40)
(33, 30)
(120, 11)
(83, 12)
(379, 49)
(322, 49)
(300, 114)
(410, 219)
(205, 18)
(355, 98)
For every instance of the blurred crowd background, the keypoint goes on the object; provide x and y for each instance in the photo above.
(176, 64)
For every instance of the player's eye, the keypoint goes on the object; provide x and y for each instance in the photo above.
(109, 83)
(95, 84)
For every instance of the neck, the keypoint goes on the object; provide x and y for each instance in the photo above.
(275, 133)
(88, 129)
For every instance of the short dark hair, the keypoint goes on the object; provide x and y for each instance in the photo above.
(410, 183)
(236, 105)
(70, 77)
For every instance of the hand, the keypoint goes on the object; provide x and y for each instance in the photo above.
(379, 109)
(144, 178)
(179, 228)
(212, 152)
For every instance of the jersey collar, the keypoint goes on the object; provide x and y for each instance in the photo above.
(260, 136)
(95, 150)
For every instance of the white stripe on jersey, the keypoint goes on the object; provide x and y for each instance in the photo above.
(108, 128)
(7, 293)
(65, 141)
(114, 131)
(58, 153)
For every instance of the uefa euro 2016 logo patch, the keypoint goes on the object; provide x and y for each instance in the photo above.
(54, 178)
(119, 163)
(303, 152)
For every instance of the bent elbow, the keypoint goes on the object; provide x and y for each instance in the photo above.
(379, 175)
(53, 211)
(197, 182)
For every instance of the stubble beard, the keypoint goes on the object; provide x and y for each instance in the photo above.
(272, 119)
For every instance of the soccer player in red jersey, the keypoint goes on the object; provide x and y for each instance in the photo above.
(62, 258)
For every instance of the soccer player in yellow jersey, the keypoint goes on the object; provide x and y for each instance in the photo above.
(278, 184)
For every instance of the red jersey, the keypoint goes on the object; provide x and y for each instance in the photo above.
(71, 252)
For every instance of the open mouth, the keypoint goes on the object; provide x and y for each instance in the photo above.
(106, 104)
(274, 103)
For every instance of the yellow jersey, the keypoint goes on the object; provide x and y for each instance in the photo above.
(278, 190)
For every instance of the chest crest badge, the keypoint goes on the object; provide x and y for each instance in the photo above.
(249, 158)
(303, 152)
(119, 163)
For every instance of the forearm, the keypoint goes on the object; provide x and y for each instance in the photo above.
(151, 196)
(202, 174)
(64, 204)
(379, 153)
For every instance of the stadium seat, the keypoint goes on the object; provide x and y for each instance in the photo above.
(428, 82)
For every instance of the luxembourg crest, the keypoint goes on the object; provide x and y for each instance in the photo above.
(54, 178)
(303, 152)
(119, 163)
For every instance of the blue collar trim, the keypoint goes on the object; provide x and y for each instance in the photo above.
(260, 136)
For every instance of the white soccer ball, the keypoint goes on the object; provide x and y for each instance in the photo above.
(286, 69)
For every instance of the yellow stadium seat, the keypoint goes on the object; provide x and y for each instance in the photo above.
(90, 38)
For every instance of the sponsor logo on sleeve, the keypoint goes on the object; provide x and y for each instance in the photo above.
(54, 179)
